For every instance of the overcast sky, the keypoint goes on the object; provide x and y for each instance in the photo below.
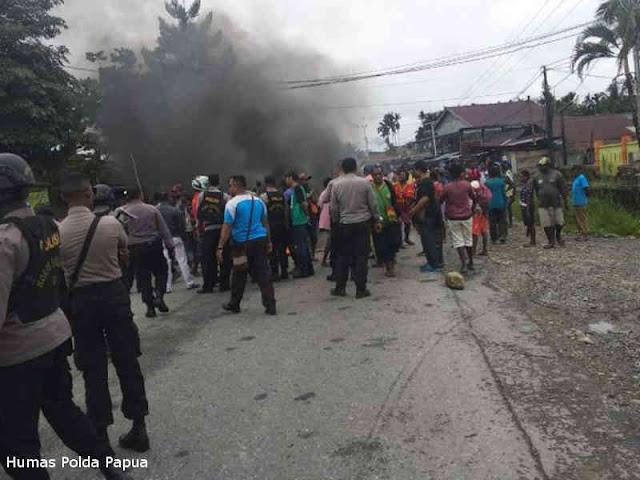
(371, 34)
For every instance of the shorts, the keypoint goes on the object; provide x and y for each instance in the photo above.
(480, 224)
(528, 216)
(550, 217)
(461, 233)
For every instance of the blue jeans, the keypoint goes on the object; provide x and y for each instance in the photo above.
(300, 236)
(431, 237)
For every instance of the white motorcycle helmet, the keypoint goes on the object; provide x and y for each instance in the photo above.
(200, 183)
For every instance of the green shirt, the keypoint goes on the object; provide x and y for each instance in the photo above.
(384, 204)
(298, 217)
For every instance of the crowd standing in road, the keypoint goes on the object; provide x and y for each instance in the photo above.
(87, 264)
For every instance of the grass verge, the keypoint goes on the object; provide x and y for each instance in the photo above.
(605, 217)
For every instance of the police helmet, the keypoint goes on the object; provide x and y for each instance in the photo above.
(15, 172)
(103, 194)
(200, 183)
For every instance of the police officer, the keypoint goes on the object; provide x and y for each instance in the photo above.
(147, 231)
(278, 216)
(104, 200)
(100, 310)
(210, 214)
(34, 336)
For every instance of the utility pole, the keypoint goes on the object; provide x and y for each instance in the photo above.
(565, 157)
(433, 140)
(548, 110)
(636, 66)
(366, 139)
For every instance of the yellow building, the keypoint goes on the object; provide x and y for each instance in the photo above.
(609, 157)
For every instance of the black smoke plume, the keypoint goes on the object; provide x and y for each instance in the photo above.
(207, 98)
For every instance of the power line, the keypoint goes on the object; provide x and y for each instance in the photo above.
(561, 81)
(529, 84)
(466, 57)
(571, 10)
(340, 107)
(490, 70)
(586, 74)
(522, 57)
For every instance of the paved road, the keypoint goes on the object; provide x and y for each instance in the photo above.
(398, 386)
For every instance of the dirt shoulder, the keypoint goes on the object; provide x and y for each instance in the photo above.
(585, 301)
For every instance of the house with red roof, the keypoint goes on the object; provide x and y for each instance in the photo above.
(516, 130)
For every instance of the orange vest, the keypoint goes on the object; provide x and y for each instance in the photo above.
(405, 194)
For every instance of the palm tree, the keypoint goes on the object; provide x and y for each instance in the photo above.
(388, 127)
(614, 36)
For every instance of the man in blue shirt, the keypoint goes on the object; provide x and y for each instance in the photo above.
(247, 224)
(579, 193)
(498, 205)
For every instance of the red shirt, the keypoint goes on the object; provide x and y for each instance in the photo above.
(458, 197)
(405, 195)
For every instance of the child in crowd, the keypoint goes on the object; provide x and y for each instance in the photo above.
(527, 206)
(480, 227)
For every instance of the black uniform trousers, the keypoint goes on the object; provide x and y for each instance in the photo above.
(148, 259)
(352, 250)
(43, 383)
(100, 315)
(278, 259)
(213, 273)
(256, 252)
(387, 242)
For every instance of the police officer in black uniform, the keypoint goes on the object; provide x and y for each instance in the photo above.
(35, 337)
(210, 214)
(100, 311)
(278, 215)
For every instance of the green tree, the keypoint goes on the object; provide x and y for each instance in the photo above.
(388, 129)
(181, 13)
(39, 115)
(154, 105)
(426, 119)
(613, 36)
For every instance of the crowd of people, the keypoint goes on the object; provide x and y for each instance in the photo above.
(71, 279)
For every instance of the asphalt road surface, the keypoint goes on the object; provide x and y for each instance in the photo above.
(416, 382)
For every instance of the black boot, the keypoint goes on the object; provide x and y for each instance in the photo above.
(338, 292)
(271, 309)
(103, 438)
(559, 235)
(137, 438)
(363, 293)
(151, 311)
(161, 306)
(229, 307)
(550, 233)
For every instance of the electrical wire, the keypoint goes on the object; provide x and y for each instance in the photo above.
(563, 79)
(380, 105)
(466, 57)
(586, 74)
(524, 54)
(529, 84)
(490, 70)
(428, 67)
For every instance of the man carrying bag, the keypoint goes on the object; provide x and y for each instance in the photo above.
(247, 224)
(94, 252)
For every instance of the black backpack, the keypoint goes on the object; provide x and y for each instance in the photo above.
(276, 208)
(211, 209)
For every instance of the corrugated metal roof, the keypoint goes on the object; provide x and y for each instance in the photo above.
(509, 113)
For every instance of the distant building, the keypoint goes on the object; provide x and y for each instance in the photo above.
(516, 130)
